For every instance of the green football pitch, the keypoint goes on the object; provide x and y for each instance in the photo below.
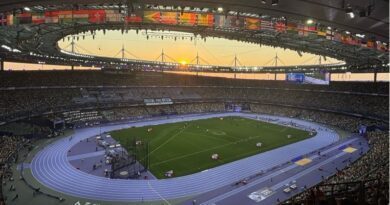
(186, 147)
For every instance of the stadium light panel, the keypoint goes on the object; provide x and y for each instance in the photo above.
(360, 35)
(309, 21)
(274, 2)
(27, 9)
(349, 12)
(351, 15)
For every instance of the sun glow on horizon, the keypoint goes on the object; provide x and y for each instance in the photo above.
(174, 47)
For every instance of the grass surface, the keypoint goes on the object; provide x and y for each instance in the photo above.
(186, 147)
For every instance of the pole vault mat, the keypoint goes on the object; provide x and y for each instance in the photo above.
(301, 161)
(349, 150)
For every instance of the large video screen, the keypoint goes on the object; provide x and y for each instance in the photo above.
(295, 77)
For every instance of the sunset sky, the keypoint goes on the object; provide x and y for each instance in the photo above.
(215, 51)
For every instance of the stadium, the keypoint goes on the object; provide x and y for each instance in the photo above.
(195, 102)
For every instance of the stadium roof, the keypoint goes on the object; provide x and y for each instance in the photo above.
(360, 19)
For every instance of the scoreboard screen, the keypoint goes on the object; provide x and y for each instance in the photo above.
(295, 77)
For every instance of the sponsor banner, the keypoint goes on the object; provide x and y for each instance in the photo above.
(135, 17)
(114, 16)
(280, 26)
(38, 18)
(152, 17)
(358, 40)
(205, 20)
(363, 43)
(252, 24)
(344, 39)
(97, 16)
(24, 18)
(235, 22)
(158, 101)
(111, 11)
(81, 16)
(187, 19)
(311, 28)
(266, 25)
(220, 21)
(337, 37)
(371, 44)
(51, 17)
(65, 17)
(3, 20)
(350, 40)
(329, 34)
(321, 31)
(303, 30)
(381, 46)
(292, 27)
(353, 41)
(169, 18)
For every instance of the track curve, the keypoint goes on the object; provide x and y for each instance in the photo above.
(52, 168)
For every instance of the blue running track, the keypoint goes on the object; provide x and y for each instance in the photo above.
(52, 168)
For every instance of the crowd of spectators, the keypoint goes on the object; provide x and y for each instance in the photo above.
(200, 108)
(137, 112)
(28, 102)
(25, 129)
(344, 122)
(362, 182)
(8, 146)
(100, 78)
(366, 181)
(363, 104)
(29, 93)
(373, 165)
(14, 103)
(8, 154)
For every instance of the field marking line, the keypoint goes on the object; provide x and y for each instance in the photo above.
(204, 135)
(284, 129)
(155, 191)
(228, 135)
(223, 145)
(194, 153)
(170, 139)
